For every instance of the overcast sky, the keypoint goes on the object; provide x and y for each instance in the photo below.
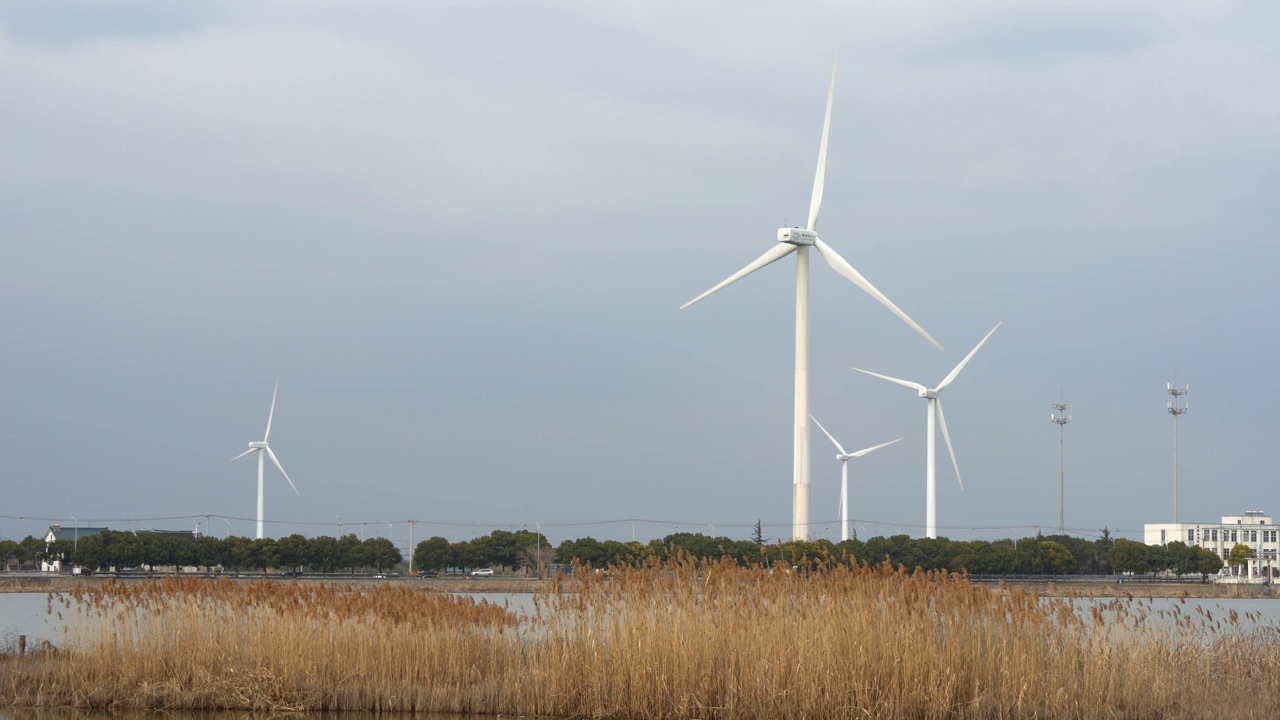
(459, 232)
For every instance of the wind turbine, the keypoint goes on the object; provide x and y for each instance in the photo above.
(799, 240)
(844, 458)
(935, 409)
(263, 448)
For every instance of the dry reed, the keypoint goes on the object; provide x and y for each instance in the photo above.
(680, 640)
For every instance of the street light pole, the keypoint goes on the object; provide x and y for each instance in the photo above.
(411, 522)
(541, 565)
(75, 542)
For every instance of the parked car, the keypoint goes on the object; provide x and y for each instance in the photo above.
(429, 574)
(291, 574)
(483, 572)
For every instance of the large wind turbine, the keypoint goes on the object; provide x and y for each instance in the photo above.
(844, 458)
(263, 448)
(799, 240)
(935, 409)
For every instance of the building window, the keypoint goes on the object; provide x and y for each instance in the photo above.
(1253, 536)
(1163, 537)
(1213, 535)
(1233, 536)
(1191, 537)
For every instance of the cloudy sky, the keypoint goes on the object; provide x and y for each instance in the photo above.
(459, 233)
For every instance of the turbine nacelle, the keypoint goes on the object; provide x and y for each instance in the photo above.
(929, 394)
(255, 445)
(797, 236)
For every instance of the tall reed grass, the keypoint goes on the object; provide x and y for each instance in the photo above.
(680, 640)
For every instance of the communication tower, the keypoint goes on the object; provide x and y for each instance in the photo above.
(1175, 410)
(1061, 418)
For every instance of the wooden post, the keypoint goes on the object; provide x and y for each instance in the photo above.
(22, 646)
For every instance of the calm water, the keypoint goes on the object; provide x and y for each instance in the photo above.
(27, 613)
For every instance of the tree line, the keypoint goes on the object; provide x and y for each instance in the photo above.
(118, 550)
(521, 549)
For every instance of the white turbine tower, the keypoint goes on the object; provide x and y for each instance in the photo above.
(799, 240)
(844, 458)
(935, 409)
(263, 448)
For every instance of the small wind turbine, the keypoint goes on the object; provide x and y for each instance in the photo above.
(799, 240)
(844, 457)
(263, 448)
(935, 409)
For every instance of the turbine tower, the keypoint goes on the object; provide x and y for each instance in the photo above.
(799, 240)
(263, 448)
(1175, 410)
(844, 457)
(935, 411)
(1061, 418)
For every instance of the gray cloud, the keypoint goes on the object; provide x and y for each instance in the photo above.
(459, 234)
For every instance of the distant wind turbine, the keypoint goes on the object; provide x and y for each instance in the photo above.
(935, 409)
(799, 240)
(263, 448)
(844, 458)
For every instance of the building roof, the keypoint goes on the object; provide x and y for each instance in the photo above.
(72, 533)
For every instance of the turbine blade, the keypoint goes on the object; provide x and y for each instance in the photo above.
(947, 380)
(820, 177)
(774, 254)
(942, 423)
(281, 469)
(904, 383)
(271, 414)
(843, 267)
(824, 430)
(860, 453)
(246, 452)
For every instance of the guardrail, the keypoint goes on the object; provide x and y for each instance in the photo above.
(1118, 579)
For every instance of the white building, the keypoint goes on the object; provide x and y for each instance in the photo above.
(71, 535)
(1254, 528)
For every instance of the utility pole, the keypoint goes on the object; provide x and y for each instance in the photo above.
(411, 522)
(1175, 411)
(1061, 418)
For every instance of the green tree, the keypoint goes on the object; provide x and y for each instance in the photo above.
(238, 551)
(1060, 559)
(351, 553)
(587, 551)
(59, 551)
(1239, 555)
(1207, 561)
(324, 555)
(294, 551)
(381, 553)
(264, 553)
(209, 551)
(8, 551)
(30, 550)
(432, 554)
(1130, 556)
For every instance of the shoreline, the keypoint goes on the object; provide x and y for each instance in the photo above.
(518, 585)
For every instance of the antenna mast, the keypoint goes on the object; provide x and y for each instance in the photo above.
(1061, 418)
(1175, 410)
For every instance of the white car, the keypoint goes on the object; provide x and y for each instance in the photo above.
(485, 572)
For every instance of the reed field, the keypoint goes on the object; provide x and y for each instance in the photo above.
(683, 639)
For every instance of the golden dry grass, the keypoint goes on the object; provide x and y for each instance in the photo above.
(681, 640)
